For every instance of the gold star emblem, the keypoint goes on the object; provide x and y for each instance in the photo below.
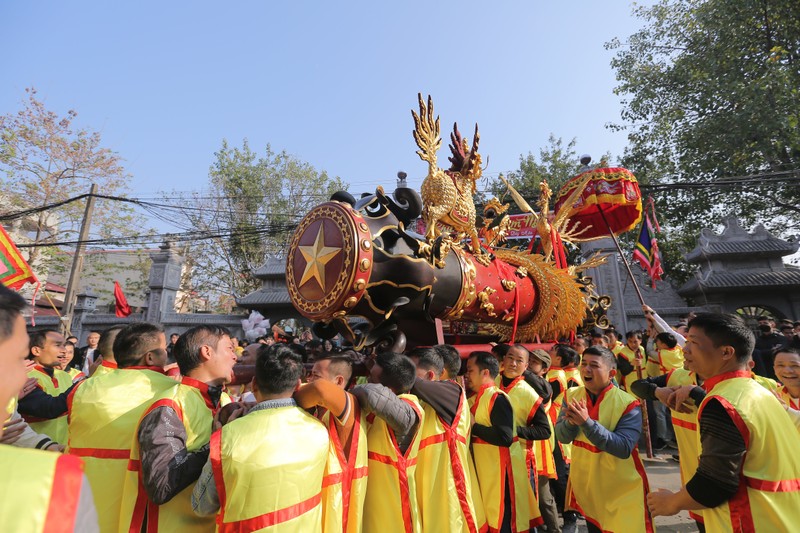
(317, 256)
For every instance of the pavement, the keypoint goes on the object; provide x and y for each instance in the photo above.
(663, 473)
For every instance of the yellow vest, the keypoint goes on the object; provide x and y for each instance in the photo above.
(191, 402)
(525, 401)
(667, 360)
(39, 491)
(790, 400)
(10, 408)
(628, 355)
(106, 367)
(553, 375)
(391, 502)
(600, 485)
(55, 428)
(344, 486)
(495, 464)
(769, 384)
(685, 426)
(768, 498)
(574, 378)
(75, 374)
(543, 451)
(104, 413)
(268, 468)
(444, 485)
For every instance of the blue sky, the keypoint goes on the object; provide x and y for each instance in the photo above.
(332, 83)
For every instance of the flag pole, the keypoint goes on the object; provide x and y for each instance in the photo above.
(645, 419)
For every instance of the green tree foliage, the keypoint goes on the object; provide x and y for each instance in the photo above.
(712, 94)
(45, 159)
(556, 163)
(250, 209)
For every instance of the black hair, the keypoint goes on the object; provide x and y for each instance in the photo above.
(11, 306)
(105, 346)
(486, 361)
(567, 354)
(635, 333)
(341, 362)
(187, 348)
(278, 368)
(300, 350)
(398, 371)
(726, 330)
(313, 343)
(500, 349)
(428, 359)
(38, 338)
(451, 359)
(604, 353)
(135, 340)
(667, 338)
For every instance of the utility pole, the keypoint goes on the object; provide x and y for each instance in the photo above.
(77, 262)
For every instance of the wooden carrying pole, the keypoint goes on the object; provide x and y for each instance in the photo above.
(645, 419)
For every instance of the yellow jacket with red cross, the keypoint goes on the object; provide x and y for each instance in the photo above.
(444, 485)
(494, 465)
(191, 401)
(685, 426)
(344, 486)
(768, 498)
(391, 501)
(525, 402)
(601, 485)
(268, 468)
(104, 413)
(55, 428)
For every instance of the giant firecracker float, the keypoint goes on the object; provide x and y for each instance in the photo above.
(356, 268)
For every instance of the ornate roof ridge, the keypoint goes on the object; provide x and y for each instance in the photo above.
(736, 240)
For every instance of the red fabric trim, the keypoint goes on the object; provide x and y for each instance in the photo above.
(710, 383)
(478, 395)
(158, 369)
(100, 453)
(734, 414)
(637, 463)
(684, 424)
(511, 385)
(40, 368)
(586, 446)
(271, 519)
(109, 364)
(459, 476)
(785, 485)
(64, 495)
(203, 388)
(741, 515)
(215, 456)
(165, 402)
(631, 406)
(139, 508)
(696, 517)
(594, 407)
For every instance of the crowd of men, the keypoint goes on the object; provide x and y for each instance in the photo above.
(142, 435)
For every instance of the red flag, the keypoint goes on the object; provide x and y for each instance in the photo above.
(14, 270)
(121, 307)
(646, 252)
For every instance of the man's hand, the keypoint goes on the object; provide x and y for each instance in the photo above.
(679, 399)
(12, 429)
(663, 394)
(576, 412)
(662, 503)
(230, 412)
(30, 384)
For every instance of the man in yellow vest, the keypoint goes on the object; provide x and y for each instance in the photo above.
(105, 411)
(531, 424)
(40, 411)
(345, 482)
(604, 424)
(444, 485)
(748, 468)
(631, 351)
(39, 491)
(171, 442)
(493, 435)
(265, 469)
(394, 421)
